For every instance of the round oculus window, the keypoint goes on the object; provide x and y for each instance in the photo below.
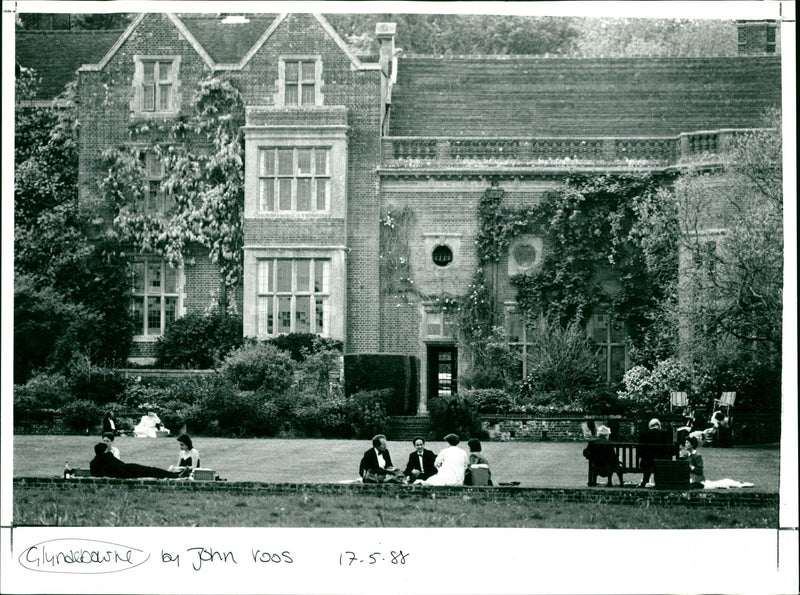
(442, 255)
(525, 256)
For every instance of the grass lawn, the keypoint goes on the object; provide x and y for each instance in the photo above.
(533, 464)
(110, 506)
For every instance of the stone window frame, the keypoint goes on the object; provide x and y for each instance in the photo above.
(536, 242)
(279, 98)
(275, 177)
(144, 333)
(269, 296)
(138, 101)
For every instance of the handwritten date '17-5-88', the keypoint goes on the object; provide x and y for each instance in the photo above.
(351, 558)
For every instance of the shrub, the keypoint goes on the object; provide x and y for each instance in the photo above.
(378, 371)
(226, 411)
(300, 345)
(174, 415)
(199, 341)
(318, 374)
(82, 416)
(361, 415)
(45, 391)
(259, 366)
(561, 359)
(646, 389)
(490, 400)
(455, 414)
(601, 399)
(93, 383)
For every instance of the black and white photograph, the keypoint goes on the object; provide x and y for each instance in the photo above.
(410, 297)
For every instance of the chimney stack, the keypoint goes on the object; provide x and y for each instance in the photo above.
(384, 32)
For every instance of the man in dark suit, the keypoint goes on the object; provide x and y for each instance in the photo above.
(420, 462)
(655, 445)
(105, 464)
(377, 458)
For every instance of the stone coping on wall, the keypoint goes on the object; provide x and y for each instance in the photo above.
(745, 497)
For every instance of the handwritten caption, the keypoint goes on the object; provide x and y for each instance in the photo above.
(86, 556)
(349, 558)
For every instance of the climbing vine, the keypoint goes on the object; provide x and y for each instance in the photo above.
(610, 246)
(205, 186)
(602, 254)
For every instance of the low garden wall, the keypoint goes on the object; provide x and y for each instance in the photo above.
(753, 428)
(713, 499)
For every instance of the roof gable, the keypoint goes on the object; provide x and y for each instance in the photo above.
(354, 60)
(220, 44)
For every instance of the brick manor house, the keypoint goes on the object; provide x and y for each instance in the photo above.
(335, 140)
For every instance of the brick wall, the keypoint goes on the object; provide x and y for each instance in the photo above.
(694, 498)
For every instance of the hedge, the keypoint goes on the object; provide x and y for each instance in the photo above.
(377, 371)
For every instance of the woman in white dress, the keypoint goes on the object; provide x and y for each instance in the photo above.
(148, 427)
(452, 463)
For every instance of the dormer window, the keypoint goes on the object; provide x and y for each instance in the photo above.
(156, 86)
(299, 81)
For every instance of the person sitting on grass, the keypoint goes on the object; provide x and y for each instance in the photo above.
(105, 464)
(376, 464)
(188, 457)
(603, 458)
(476, 461)
(108, 439)
(452, 463)
(696, 476)
(421, 462)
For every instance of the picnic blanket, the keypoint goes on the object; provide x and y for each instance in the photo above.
(716, 484)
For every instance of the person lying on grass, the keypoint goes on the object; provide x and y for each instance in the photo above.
(105, 464)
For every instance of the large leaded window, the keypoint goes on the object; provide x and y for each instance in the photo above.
(154, 296)
(293, 296)
(157, 85)
(293, 179)
(609, 336)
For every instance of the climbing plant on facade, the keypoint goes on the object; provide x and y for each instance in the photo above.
(205, 187)
(599, 256)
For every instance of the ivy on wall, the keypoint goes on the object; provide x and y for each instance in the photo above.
(205, 184)
(602, 252)
(610, 246)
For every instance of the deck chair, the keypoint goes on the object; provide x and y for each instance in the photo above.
(725, 402)
(678, 400)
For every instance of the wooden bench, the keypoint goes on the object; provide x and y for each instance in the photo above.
(628, 454)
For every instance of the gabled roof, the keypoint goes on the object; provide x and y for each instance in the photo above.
(226, 43)
(218, 43)
(527, 96)
(57, 55)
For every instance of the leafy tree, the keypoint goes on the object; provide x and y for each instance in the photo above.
(732, 237)
(54, 259)
(628, 37)
(115, 20)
